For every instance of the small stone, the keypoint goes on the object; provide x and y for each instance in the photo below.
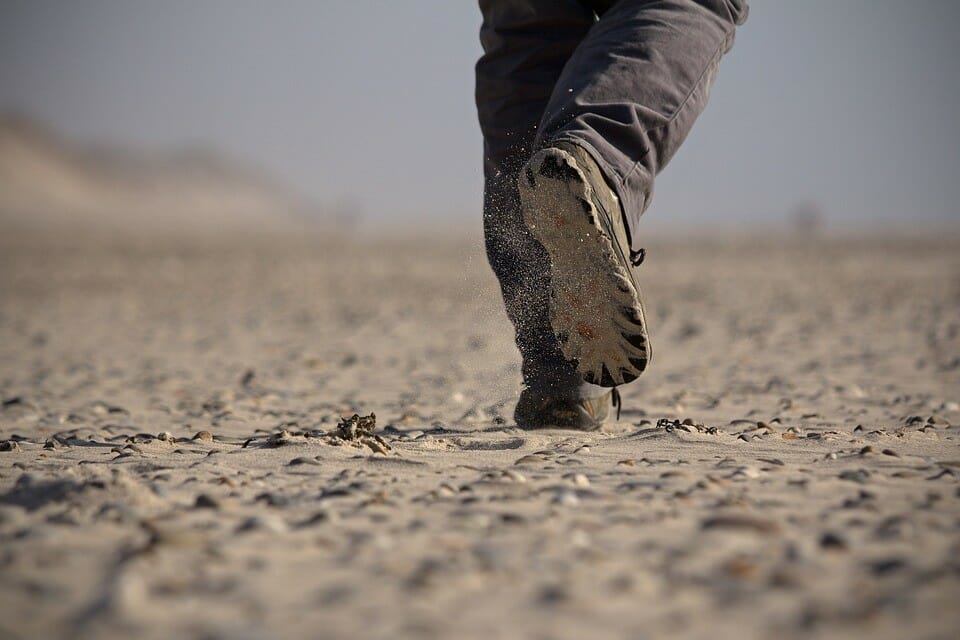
(303, 461)
(887, 566)
(266, 522)
(279, 500)
(578, 479)
(376, 445)
(740, 568)
(742, 522)
(865, 450)
(205, 501)
(833, 541)
(278, 439)
(566, 499)
(890, 452)
(9, 445)
(746, 472)
(906, 473)
(514, 476)
(552, 595)
(831, 456)
(446, 491)
(859, 476)
(319, 517)
(203, 436)
(166, 436)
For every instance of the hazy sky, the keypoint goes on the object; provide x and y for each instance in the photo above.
(850, 104)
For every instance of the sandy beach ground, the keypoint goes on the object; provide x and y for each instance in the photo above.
(169, 464)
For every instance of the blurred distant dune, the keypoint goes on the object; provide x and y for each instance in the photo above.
(49, 183)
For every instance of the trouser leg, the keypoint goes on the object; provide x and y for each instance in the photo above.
(631, 92)
(526, 45)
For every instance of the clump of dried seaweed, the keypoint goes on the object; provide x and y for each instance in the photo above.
(360, 429)
(356, 426)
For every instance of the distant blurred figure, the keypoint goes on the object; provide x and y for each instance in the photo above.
(581, 104)
(807, 219)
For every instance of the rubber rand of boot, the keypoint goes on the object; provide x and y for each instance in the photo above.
(596, 310)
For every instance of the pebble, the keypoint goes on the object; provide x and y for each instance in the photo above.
(493, 557)
(324, 515)
(566, 499)
(887, 566)
(166, 436)
(577, 479)
(375, 446)
(446, 491)
(203, 436)
(266, 522)
(834, 541)
(279, 438)
(279, 500)
(777, 462)
(746, 472)
(553, 595)
(205, 501)
(860, 476)
(301, 461)
(741, 522)
(514, 476)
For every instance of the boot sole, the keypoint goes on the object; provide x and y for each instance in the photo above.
(596, 311)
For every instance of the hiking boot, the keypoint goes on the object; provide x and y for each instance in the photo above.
(596, 311)
(537, 410)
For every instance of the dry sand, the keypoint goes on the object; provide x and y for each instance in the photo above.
(788, 468)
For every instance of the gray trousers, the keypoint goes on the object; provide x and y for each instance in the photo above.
(624, 79)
